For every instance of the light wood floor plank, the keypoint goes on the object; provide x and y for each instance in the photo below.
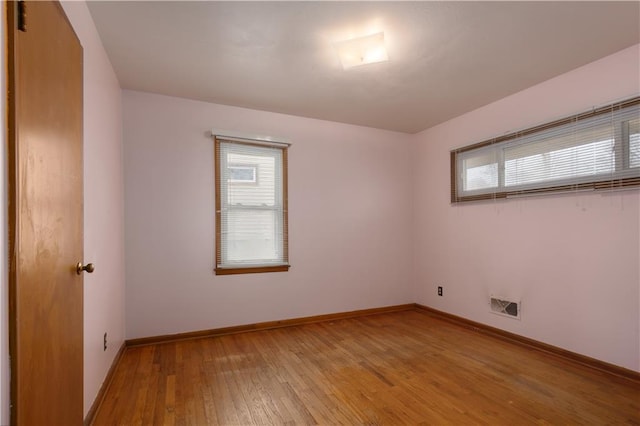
(395, 368)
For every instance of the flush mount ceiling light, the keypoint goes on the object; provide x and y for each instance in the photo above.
(362, 50)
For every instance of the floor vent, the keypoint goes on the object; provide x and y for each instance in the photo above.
(507, 308)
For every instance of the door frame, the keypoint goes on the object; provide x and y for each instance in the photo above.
(12, 210)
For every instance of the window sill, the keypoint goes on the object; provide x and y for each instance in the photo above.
(252, 270)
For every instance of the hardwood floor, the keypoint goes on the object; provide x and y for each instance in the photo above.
(398, 368)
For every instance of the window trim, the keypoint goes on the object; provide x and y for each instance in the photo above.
(250, 269)
(500, 193)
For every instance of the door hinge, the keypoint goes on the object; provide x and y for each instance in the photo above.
(22, 16)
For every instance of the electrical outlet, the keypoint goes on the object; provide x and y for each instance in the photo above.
(105, 342)
(439, 291)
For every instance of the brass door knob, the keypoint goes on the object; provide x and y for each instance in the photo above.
(88, 267)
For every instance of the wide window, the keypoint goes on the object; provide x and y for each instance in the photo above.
(251, 206)
(599, 149)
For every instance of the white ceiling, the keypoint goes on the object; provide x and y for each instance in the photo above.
(445, 58)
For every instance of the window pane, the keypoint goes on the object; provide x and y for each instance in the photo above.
(263, 193)
(480, 169)
(242, 174)
(634, 143)
(252, 236)
(583, 160)
(481, 177)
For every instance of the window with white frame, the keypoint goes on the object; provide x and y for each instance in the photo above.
(599, 149)
(251, 206)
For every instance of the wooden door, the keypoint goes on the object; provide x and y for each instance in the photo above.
(45, 216)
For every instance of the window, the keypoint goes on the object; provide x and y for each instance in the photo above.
(599, 149)
(246, 173)
(251, 206)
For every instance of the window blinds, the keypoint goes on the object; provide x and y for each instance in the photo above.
(595, 150)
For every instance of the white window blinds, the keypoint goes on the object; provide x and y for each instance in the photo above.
(599, 149)
(251, 207)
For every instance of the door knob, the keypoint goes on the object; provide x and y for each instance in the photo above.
(88, 267)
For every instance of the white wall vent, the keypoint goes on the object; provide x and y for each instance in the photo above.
(506, 308)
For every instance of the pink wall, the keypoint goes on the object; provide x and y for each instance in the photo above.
(349, 212)
(103, 205)
(571, 259)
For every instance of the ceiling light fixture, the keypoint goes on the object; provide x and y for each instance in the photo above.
(362, 50)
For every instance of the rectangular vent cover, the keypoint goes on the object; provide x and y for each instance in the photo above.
(507, 308)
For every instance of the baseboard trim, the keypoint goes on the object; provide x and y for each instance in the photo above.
(91, 415)
(266, 325)
(573, 357)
